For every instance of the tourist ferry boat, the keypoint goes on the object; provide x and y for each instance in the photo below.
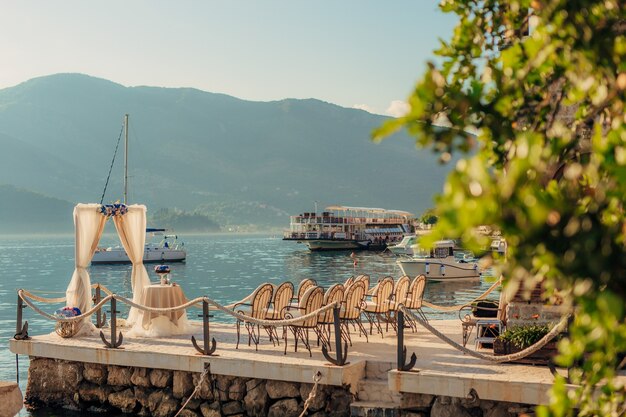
(349, 228)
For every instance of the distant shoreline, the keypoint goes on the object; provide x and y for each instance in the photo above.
(112, 234)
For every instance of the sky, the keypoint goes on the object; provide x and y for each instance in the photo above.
(354, 53)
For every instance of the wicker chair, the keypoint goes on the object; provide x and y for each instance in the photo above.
(398, 297)
(256, 308)
(365, 279)
(348, 282)
(280, 299)
(378, 305)
(326, 319)
(351, 308)
(485, 313)
(305, 284)
(310, 301)
(415, 298)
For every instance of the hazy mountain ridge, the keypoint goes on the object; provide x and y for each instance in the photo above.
(191, 148)
(23, 211)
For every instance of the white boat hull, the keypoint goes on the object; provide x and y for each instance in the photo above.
(150, 255)
(439, 269)
(319, 245)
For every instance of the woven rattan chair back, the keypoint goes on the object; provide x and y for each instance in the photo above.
(416, 293)
(332, 295)
(400, 291)
(305, 284)
(311, 300)
(260, 300)
(381, 295)
(281, 298)
(365, 279)
(348, 282)
(352, 301)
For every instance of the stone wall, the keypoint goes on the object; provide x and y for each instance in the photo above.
(161, 393)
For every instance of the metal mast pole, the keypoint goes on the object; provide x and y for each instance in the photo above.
(125, 157)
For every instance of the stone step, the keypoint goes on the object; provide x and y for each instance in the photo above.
(374, 409)
(377, 390)
(378, 370)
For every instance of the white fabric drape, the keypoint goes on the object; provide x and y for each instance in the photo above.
(131, 228)
(88, 224)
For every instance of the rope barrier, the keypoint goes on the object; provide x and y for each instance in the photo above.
(459, 307)
(103, 288)
(157, 309)
(25, 295)
(316, 379)
(33, 294)
(261, 322)
(493, 358)
(84, 315)
(43, 299)
(195, 391)
(213, 305)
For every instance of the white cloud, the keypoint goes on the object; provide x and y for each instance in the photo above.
(398, 108)
(364, 107)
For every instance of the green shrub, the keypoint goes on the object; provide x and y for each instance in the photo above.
(524, 336)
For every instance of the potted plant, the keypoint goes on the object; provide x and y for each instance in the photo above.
(519, 338)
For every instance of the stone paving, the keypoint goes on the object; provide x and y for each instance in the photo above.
(440, 368)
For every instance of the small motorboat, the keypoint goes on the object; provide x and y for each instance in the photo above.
(440, 264)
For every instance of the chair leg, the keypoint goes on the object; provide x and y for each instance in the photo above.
(345, 331)
(361, 328)
(307, 343)
(379, 326)
(238, 332)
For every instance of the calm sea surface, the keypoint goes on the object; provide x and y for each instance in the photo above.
(224, 267)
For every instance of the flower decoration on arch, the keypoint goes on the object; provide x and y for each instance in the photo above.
(110, 210)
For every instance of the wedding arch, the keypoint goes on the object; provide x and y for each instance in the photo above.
(89, 221)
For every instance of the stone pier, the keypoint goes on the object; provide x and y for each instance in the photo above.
(155, 377)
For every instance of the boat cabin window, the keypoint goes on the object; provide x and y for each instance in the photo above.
(442, 252)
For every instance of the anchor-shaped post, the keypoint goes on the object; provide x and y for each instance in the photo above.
(115, 341)
(205, 350)
(342, 354)
(402, 365)
(101, 317)
(21, 331)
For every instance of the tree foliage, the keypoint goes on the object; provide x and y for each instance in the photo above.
(549, 163)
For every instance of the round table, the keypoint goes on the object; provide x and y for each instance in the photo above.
(162, 296)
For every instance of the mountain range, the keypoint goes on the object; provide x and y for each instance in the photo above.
(235, 161)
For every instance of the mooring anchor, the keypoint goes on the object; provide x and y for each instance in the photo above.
(205, 350)
(21, 331)
(342, 353)
(402, 364)
(101, 317)
(115, 340)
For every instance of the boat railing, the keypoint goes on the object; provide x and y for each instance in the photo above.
(347, 220)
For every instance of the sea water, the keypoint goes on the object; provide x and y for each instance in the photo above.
(225, 268)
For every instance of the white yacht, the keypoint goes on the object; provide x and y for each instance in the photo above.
(440, 264)
(167, 250)
(405, 247)
(349, 228)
